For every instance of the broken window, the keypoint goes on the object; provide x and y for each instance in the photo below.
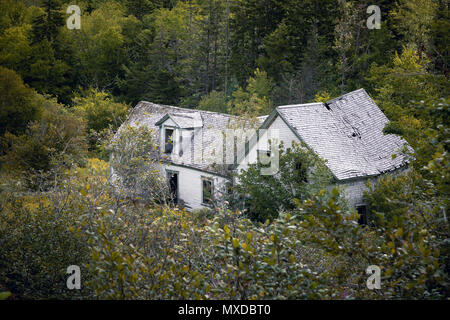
(168, 141)
(207, 191)
(362, 211)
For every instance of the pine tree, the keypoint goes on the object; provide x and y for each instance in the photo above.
(46, 25)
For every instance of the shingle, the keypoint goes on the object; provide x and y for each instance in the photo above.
(348, 134)
(147, 113)
(346, 131)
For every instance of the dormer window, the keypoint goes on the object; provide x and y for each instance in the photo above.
(168, 140)
(173, 128)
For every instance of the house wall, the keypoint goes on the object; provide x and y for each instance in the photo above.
(190, 185)
(354, 189)
(285, 134)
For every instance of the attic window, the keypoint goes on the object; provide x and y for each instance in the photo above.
(168, 141)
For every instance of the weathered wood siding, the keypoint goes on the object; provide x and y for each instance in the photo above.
(190, 185)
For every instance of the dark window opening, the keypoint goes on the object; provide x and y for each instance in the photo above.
(207, 191)
(229, 188)
(301, 172)
(173, 186)
(362, 211)
(168, 141)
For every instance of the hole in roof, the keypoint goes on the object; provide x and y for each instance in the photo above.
(327, 106)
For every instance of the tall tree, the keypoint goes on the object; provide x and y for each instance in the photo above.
(46, 25)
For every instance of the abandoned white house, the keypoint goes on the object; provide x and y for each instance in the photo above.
(347, 132)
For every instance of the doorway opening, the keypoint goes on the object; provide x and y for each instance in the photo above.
(362, 211)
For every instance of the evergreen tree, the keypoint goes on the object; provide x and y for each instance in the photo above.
(46, 25)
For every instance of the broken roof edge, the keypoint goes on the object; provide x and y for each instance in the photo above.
(403, 166)
(348, 94)
(299, 105)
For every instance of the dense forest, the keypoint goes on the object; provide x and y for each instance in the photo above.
(65, 91)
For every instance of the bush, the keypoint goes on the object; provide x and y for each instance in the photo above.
(301, 174)
(136, 167)
(54, 142)
(36, 247)
(38, 238)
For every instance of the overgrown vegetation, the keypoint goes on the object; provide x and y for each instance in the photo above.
(64, 92)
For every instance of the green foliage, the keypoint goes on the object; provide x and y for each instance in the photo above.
(46, 26)
(256, 99)
(15, 47)
(409, 210)
(14, 14)
(170, 254)
(413, 19)
(301, 173)
(214, 101)
(100, 111)
(18, 105)
(56, 140)
(4, 295)
(241, 57)
(136, 165)
(404, 81)
(98, 48)
(37, 245)
(415, 237)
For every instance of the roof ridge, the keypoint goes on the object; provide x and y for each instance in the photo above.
(187, 109)
(298, 105)
(346, 94)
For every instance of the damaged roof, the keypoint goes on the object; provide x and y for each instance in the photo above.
(348, 133)
(153, 115)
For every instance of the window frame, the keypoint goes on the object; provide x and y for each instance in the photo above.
(211, 180)
(364, 218)
(165, 140)
(168, 173)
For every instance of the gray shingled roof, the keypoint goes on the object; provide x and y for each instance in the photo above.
(151, 114)
(183, 120)
(348, 133)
